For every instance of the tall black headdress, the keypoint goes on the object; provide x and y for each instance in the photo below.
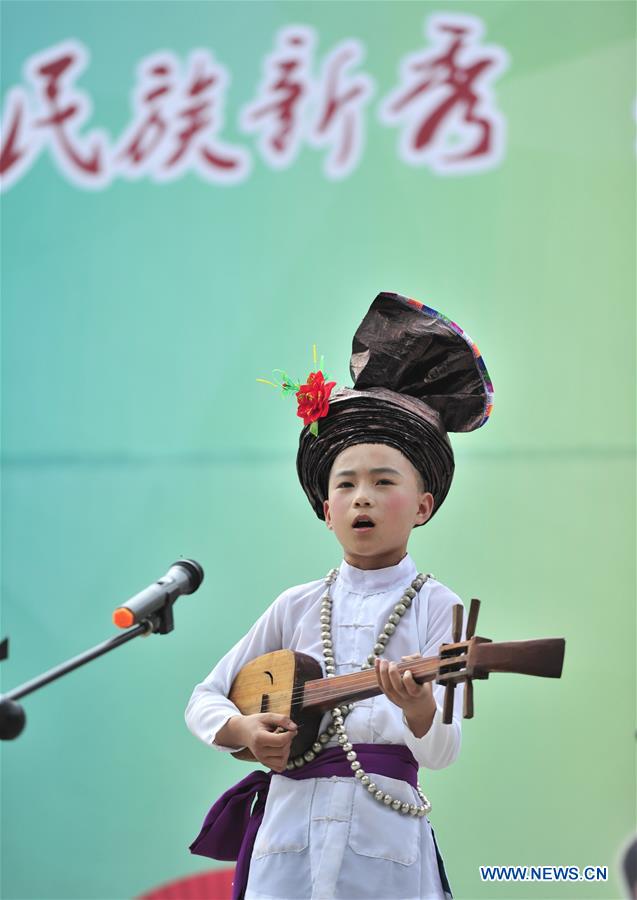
(417, 375)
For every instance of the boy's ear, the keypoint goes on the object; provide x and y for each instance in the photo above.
(326, 513)
(425, 508)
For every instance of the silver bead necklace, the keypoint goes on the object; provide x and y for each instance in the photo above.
(339, 713)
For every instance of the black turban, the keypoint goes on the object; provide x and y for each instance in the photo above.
(416, 376)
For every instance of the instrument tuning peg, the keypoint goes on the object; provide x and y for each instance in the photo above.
(447, 710)
(468, 699)
(456, 623)
(472, 619)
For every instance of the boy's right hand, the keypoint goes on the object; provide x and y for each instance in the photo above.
(268, 736)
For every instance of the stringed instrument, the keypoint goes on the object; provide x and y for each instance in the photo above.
(293, 685)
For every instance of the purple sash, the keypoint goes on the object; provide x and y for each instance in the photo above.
(230, 827)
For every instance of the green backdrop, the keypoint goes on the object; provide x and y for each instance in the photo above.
(137, 314)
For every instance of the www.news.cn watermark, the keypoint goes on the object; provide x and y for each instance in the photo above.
(543, 873)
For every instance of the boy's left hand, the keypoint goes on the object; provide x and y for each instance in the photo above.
(416, 700)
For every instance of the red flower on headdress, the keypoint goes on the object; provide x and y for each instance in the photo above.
(313, 398)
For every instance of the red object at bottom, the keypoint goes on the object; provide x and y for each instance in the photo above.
(215, 885)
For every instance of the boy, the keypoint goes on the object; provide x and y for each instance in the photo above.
(378, 464)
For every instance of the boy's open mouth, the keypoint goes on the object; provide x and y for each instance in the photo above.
(362, 522)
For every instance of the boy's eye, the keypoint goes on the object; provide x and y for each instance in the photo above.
(349, 483)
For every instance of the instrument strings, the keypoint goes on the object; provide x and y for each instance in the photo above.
(364, 681)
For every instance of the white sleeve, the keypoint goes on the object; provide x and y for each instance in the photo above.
(209, 709)
(441, 745)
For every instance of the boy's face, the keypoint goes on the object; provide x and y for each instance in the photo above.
(377, 483)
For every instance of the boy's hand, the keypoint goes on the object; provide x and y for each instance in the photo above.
(416, 700)
(269, 736)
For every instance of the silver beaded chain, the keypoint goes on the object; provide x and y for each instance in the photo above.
(339, 713)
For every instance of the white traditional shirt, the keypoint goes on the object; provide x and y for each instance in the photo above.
(324, 838)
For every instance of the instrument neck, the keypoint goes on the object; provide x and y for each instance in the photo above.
(328, 692)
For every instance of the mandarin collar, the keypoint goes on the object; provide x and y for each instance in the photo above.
(371, 581)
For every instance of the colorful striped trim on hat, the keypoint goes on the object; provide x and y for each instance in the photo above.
(482, 369)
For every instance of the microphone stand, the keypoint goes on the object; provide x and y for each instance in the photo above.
(12, 715)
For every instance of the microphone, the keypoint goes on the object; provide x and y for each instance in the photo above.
(183, 577)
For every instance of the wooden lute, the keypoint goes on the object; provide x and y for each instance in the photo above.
(292, 683)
